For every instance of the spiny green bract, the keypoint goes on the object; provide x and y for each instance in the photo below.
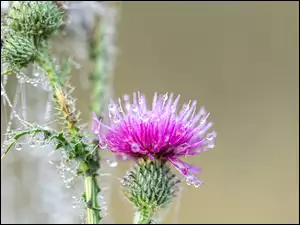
(18, 51)
(150, 184)
(37, 19)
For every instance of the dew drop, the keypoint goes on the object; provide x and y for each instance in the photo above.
(135, 147)
(112, 107)
(42, 144)
(122, 181)
(146, 117)
(189, 182)
(141, 100)
(32, 144)
(102, 144)
(211, 145)
(112, 163)
(124, 157)
(116, 120)
(173, 108)
(134, 108)
(197, 184)
(127, 106)
(126, 97)
(211, 136)
(51, 153)
(18, 147)
(165, 97)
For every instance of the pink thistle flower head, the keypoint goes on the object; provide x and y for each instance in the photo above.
(159, 131)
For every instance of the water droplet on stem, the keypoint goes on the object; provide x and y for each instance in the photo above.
(18, 147)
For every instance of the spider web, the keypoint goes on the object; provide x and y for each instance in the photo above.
(25, 100)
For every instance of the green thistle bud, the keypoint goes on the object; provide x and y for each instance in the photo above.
(150, 185)
(38, 19)
(18, 51)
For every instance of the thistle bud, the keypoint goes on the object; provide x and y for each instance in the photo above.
(18, 51)
(37, 19)
(150, 185)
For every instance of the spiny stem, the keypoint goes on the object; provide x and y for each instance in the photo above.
(89, 173)
(58, 94)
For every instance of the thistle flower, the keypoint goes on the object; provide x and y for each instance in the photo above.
(159, 133)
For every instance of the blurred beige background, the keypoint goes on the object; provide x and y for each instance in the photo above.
(240, 60)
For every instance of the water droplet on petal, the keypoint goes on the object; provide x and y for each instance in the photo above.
(198, 183)
(102, 144)
(135, 147)
(211, 135)
(151, 157)
(211, 145)
(134, 108)
(165, 97)
(126, 97)
(141, 100)
(173, 108)
(112, 107)
(189, 181)
(146, 117)
(18, 147)
(116, 119)
(167, 137)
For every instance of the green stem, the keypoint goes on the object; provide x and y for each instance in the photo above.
(91, 194)
(46, 64)
(89, 165)
(98, 72)
(100, 56)
(7, 72)
(144, 216)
